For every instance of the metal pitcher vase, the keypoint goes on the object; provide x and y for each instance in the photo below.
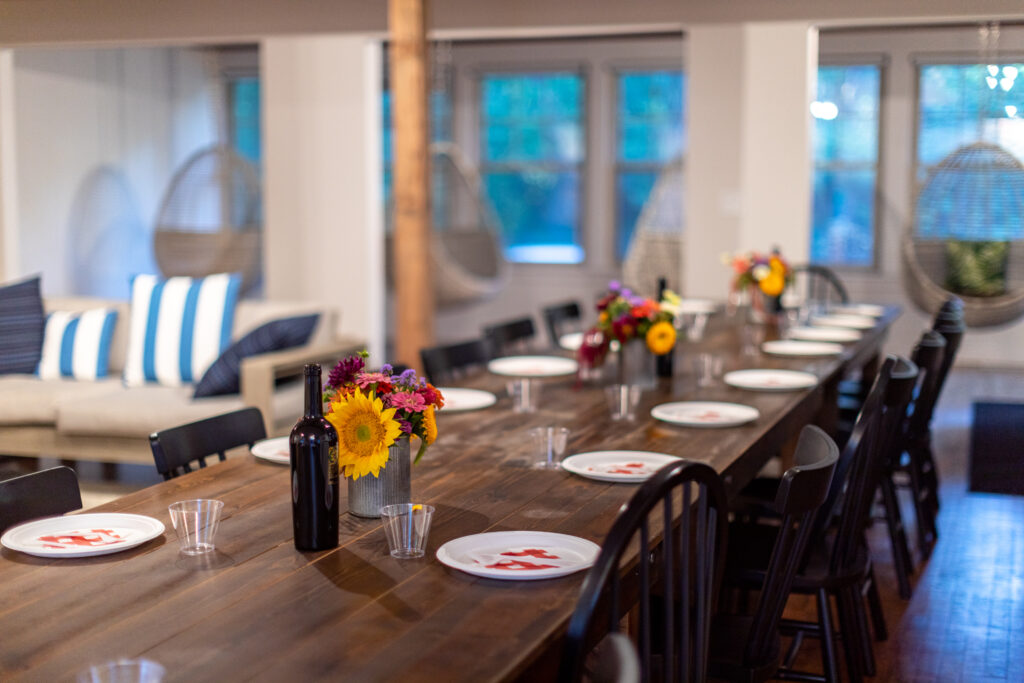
(368, 494)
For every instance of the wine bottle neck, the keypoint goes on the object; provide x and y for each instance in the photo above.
(314, 396)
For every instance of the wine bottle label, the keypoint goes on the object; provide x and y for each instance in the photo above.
(332, 464)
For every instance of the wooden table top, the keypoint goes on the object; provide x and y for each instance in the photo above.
(257, 608)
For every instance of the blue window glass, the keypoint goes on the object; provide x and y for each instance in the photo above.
(245, 117)
(978, 194)
(651, 133)
(532, 152)
(845, 164)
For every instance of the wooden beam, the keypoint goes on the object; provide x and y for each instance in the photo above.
(414, 290)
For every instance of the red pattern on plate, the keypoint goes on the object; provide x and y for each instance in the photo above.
(519, 565)
(93, 538)
(539, 553)
(708, 416)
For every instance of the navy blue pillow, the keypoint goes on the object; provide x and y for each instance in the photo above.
(21, 327)
(284, 333)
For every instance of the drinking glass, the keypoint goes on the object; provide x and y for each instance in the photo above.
(406, 526)
(196, 522)
(123, 671)
(525, 395)
(623, 400)
(549, 444)
(707, 367)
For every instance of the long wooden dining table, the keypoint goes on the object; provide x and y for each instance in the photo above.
(258, 609)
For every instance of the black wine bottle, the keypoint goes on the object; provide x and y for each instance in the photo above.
(664, 363)
(314, 458)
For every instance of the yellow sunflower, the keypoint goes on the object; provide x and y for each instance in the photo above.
(365, 430)
(661, 337)
(430, 425)
(773, 284)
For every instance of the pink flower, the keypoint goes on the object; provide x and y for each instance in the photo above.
(404, 400)
(365, 379)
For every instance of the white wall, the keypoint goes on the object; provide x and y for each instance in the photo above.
(324, 234)
(96, 138)
(901, 49)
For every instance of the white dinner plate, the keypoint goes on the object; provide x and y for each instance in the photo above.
(794, 347)
(571, 341)
(518, 555)
(856, 322)
(533, 366)
(705, 413)
(770, 380)
(273, 450)
(631, 467)
(825, 334)
(457, 400)
(98, 533)
(870, 310)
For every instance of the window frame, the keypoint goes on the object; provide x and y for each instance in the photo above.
(881, 62)
(582, 167)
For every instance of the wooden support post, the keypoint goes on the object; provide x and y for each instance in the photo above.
(414, 290)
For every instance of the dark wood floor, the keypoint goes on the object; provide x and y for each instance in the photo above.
(965, 621)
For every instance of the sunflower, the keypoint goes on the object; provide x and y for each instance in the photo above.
(430, 425)
(661, 337)
(773, 284)
(365, 430)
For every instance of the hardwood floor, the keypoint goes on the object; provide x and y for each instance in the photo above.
(965, 621)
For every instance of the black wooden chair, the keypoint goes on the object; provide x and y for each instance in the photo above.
(40, 494)
(747, 648)
(177, 448)
(674, 582)
(447, 362)
(837, 563)
(512, 336)
(562, 319)
(819, 285)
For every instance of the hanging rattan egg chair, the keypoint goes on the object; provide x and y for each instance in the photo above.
(656, 248)
(210, 220)
(465, 245)
(976, 194)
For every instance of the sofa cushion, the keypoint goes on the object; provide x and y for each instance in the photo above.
(21, 327)
(178, 327)
(140, 411)
(77, 345)
(26, 399)
(285, 333)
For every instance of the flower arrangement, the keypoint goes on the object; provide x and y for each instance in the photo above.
(769, 273)
(623, 316)
(373, 410)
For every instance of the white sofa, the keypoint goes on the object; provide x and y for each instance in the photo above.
(105, 421)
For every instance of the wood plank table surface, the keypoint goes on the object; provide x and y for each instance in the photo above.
(259, 609)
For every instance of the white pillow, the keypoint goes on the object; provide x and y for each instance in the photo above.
(77, 345)
(179, 327)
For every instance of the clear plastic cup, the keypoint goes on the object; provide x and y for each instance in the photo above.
(196, 522)
(623, 400)
(406, 526)
(525, 394)
(707, 367)
(124, 671)
(549, 444)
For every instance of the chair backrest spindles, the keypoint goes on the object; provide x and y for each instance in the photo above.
(558, 318)
(449, 361)
(175, 449)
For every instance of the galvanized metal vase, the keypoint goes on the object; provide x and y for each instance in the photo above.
(368, 494)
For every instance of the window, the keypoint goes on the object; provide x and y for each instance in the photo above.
(532, 154)
(651, 134)
(845, 165)
(244, 94)
(958, 105)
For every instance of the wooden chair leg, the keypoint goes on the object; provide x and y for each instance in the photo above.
(875, 605)
(863, 635)
(848, 631)
(828, 643)
(902, 560)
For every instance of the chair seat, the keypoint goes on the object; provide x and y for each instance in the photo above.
(747, 570)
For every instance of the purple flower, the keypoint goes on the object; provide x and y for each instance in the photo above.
(387, 369)
(407, 377)
(615, 285)
(345, 371)
(405, 426)
(637, 301)
(626, 292)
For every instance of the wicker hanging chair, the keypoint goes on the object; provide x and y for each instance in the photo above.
(975, 193)
(465, 245)
(210, 218)
(656, 249)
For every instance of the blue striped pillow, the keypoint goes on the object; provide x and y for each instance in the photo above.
(77, 345)
(179, 327)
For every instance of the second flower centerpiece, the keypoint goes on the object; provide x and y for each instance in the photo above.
(375, 414)
(764, 277)
(625, 318)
